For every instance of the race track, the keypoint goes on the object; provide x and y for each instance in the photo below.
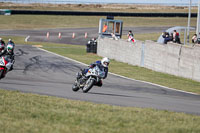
(40, 72)
(40, 35)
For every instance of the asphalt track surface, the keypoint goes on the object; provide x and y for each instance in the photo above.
(40, 72)
(40, 35)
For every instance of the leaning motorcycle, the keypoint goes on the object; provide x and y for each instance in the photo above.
(3, 69)
(87, 81)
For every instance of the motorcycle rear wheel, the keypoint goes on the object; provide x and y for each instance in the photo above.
(88, 85)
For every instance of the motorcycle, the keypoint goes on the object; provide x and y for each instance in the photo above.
(3, 68)
(87, 81)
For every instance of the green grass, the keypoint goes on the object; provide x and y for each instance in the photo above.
(78, 52)
(29, 113)
(55, 21)
(99, 7)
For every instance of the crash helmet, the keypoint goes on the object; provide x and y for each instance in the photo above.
(105, 61)
(9, 48)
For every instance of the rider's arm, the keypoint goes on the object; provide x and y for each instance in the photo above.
(94, 64)
(12, 57)
(106, 72)
(2, 53)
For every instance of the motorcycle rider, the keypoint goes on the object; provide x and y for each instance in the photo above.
(8, 54)
(2, 46)
(11, 43)
(102, 64)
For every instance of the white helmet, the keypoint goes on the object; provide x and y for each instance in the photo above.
(0, 39)
(105, 61)
(9, 48)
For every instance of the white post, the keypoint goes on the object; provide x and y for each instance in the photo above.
(188, 28)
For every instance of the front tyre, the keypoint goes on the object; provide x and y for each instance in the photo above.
(88, 85)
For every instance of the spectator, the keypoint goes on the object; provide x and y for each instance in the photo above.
(176, 38)
(194, 38)
(130, 36)
(166, 37)
(198, 39)
(171, 36)
(105, 27)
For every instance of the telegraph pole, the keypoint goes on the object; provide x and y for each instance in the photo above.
(188, 28)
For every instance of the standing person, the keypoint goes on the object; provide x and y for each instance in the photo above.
(130, 36)
(176, 37)
(194, 38)
(105, 27)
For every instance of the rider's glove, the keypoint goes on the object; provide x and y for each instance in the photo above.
(92, 65)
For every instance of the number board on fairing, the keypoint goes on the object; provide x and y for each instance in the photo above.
(2, 62)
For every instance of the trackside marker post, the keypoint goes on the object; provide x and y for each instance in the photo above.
(47, 34)
(73, 35)
(59, 35)
(86, 34)
(26, 39)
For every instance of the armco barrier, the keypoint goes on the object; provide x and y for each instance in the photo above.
(175, 59)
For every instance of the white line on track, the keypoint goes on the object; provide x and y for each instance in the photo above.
(119, 75)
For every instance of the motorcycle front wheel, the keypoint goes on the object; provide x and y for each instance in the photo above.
(88, 85)
(1, 73)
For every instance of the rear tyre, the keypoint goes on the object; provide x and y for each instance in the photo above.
(88, 85)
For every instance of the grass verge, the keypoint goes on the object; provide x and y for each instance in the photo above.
(22, 113)
(79, 53)
(56, 21)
